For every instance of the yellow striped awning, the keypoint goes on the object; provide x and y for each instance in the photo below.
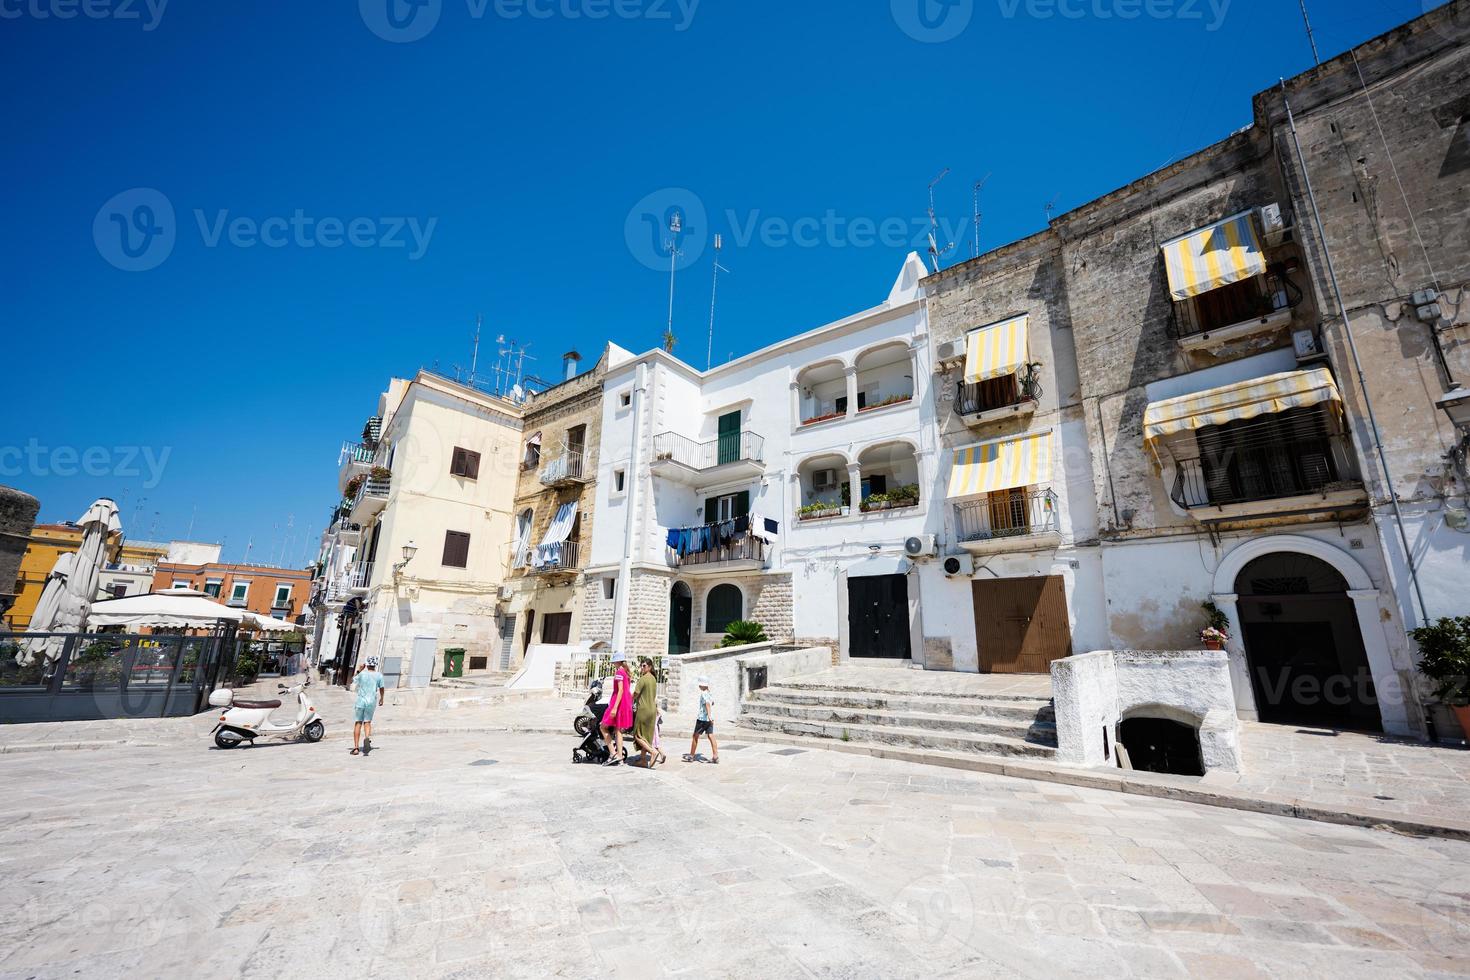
(1213, 257)
(1242, 400)
(1001, 465)
(995, 350)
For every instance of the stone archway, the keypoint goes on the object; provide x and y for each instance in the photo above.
(1365, 602)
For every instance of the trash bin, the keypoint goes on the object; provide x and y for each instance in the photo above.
(454, 663)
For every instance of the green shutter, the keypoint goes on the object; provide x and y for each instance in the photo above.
(729, 444)
(742, 504)
(711, 509)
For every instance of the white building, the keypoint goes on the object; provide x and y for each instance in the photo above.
(780, 487)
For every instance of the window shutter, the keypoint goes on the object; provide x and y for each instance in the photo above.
(456, 549)
(456, 462)
(741, 507)
(711, 509)
(471, 465)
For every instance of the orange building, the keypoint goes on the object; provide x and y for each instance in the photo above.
(264, 589)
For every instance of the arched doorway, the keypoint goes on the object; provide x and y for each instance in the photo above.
(1304, 649)
(681, 618)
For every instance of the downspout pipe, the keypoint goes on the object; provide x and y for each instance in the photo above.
(630, 519)
(1347, 329)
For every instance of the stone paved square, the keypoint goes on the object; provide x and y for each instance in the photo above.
(285, 860)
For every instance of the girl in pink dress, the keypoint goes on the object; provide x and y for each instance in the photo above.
(619, 714)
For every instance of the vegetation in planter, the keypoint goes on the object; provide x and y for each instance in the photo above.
(379, 473)
(743, 631)
(903, 496)
(1444, 649)
(353, 485)
(822, 418)
(1217, 624)
(820, 508)
(890, 400)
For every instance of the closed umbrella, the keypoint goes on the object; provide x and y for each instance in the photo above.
(70, 612)
(46, 609)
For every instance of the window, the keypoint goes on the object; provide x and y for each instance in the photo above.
(724, 606)
(532, 458)
(456, 549)
(179, 585)
(625, 399)
(620, 481)
(283, 596)
(577, 439)
(727, 507)
(610, 587)
(239, 591)
(465, 463)
(119, 590)
(212, 587)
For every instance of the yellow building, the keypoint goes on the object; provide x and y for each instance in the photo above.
(47, 543)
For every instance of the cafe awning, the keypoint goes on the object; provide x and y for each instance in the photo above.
(1242, 400)
(1001, 465)
(1225, 252)
(996, 350)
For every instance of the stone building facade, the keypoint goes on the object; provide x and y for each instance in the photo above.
(546, 602)
(1210, 434)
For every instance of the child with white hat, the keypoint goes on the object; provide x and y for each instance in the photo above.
(704, 724)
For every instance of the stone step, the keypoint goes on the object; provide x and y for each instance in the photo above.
(980, 744)
(1023, 728)
(1034, 709)
(877, 686)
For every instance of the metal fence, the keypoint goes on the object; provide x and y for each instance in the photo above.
(1262, 463)
(89, 676)
(1006, 514)
(588, 668)
(732, 447)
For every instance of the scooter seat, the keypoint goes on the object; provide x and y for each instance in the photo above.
(257, 704)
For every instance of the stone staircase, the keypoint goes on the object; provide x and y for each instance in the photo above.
(1007, 725)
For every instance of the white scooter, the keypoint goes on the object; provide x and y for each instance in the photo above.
(245, 721)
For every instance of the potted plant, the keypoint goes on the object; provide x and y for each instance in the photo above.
(353, 485)
(820, 508)
(1444, 657)
(1217, 627)
(1212, 638)
(742, 632)
(379, 474)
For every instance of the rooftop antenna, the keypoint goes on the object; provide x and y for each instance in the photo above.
(1311, 39)
(1051, 206)
(979, 184)
(709, 350)
(676, 225)
(935, 252)
(475, 354)
(189, 535)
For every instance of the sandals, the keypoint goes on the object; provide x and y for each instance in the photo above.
(354, 752)
(661, 758)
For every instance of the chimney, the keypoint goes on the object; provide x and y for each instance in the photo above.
(570, 361)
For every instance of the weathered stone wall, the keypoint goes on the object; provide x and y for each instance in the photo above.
(767, 600)
(597, 610)
(647, 631)
(17, 517)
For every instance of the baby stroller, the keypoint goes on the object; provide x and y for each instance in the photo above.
(588, 724)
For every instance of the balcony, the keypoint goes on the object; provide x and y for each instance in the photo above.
(734, 456)
(357, 579)
(564, 470)
(742, 553)
(1009, 520)
(1268, 468)
(355, 459)
(1259, 305)
(1005, 397)
(558, 559)
(371, 498)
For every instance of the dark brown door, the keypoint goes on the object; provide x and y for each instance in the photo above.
(556, 627)
(878, 617)
(530, 628)
(1021, 624)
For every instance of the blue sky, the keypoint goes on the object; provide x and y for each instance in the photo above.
(346, 196)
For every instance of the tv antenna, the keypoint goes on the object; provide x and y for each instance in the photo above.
(1311, 39)
(475, 352)
(709, 350)
(676, 225)
(979, 185)
(935, 252)
(1051, 206)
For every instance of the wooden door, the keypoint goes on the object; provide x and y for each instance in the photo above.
(556, 628)
(1021, 624)
(729, 438)
(878, 617)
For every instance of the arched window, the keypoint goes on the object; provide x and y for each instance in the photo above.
(724, 605)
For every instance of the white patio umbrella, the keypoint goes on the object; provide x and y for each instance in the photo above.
(173, 609)
(269, 624)
(46, 608)
(69, 613)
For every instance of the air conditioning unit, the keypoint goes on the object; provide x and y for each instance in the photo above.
(1275, 225)
(507, 592)
(921, 546)
(959, 565)
(1307, 345)
(951, 350)
(824, 480)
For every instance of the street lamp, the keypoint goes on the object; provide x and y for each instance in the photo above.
(409, 550)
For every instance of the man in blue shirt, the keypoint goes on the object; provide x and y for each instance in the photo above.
(369, 687)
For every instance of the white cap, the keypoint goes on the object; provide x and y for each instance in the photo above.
(704, 682)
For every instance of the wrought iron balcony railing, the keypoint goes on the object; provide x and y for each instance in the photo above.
(1007, 514)
(733, 447)
(742, 547)
(566, 468)
(1266, 464)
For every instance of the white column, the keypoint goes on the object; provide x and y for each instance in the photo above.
(797, 500)
(795, 404)
(851, 392)
(1240, 678)
(1393, 700)
(855, 482)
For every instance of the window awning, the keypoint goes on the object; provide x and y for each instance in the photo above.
(1242, 400)
(534, 439)
(996, 350)
(1001, 465)
(1209, 258)
(561, 525)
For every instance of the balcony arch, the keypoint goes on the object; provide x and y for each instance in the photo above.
(884, 375)
(823, 486)
(822, 392)
(888, 476)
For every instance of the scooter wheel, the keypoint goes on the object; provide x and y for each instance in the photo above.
(227, 740)
(315, 731)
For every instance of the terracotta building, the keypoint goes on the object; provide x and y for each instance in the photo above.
(264, 589)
